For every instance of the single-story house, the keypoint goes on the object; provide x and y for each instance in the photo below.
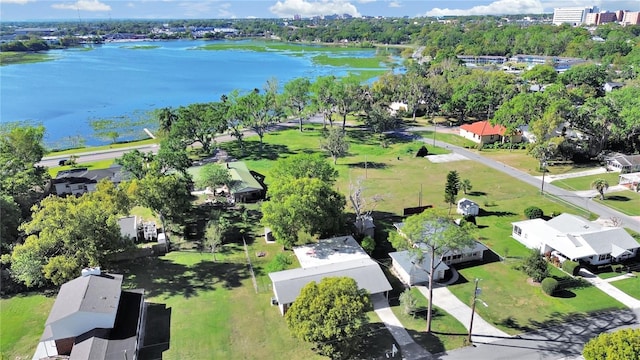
(82, 180)
(624, 163)
(576, 238)
(467, 207)
(244, 186)
(411, 271)
(93, 318)
(339, 256)
(630, 180)
(482, 132)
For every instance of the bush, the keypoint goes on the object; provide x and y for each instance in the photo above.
(408, 303)
(617, 268)
(368, 244)
(533, 212)
(549, 285)
(618, 345)
(571, 267)
(535, 265)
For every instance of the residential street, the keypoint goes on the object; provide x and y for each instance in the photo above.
(563, 340)
(568, 196)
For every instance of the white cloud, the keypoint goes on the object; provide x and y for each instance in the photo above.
(20, 2)
(395, 4)
(85, 5)
(366, 1)
(131, 5)
(498, 7)
(288, 8)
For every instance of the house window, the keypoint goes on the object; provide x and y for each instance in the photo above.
(456, 257)
(604, 257)
(517, 230)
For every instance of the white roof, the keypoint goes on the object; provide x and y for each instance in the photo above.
(576, 237)
(330, 251)
(366, 272)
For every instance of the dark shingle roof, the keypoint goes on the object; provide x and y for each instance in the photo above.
(94, 293)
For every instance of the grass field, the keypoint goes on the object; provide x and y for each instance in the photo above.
(23, 318)
(14, 57)
(584, 182)
(516, 306)
(631, 286)
(627, 202)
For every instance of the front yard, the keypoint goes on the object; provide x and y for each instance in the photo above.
(516, 306)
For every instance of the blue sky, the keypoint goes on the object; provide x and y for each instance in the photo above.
(15, 10)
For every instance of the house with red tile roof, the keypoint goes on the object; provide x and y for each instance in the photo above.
(482, 132)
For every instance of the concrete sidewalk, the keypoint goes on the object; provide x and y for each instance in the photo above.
(410, 349)
(482, 330)
(596, 171)
(610, 290)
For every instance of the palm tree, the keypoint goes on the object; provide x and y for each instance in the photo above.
(465, 185)
(600, 185)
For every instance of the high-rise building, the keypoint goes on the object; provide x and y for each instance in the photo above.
(592, 19)
(631, 18)
(607, 17)
(600, 18)
(573, 15)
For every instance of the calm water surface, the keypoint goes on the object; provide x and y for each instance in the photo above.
(116, 80)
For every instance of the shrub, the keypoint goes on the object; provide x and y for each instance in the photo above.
(535, 266)
(408, 303)
(617, 268)
(571, 267)
(368, 244)
(549, 285)
(533, 212)
(621, 344)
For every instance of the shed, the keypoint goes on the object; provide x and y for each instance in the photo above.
(467, 207)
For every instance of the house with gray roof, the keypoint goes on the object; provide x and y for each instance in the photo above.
(335, 257)
(624, 163)
(576, 238)
(78, 181)
(93, 318)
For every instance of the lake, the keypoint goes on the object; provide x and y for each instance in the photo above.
(128, 79)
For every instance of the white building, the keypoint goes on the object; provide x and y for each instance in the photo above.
(339, 256)
(572, 15)
(576, 238)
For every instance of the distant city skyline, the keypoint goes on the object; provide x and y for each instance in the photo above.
(25, 10)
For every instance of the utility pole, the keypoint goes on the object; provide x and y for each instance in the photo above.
(473, 309)
(544, 170)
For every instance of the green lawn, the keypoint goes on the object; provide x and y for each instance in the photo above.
(516, 306)
(584, 182)
(447, 332)
(23, 317)
(14, 57)
(627, 202)
(631, 286)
